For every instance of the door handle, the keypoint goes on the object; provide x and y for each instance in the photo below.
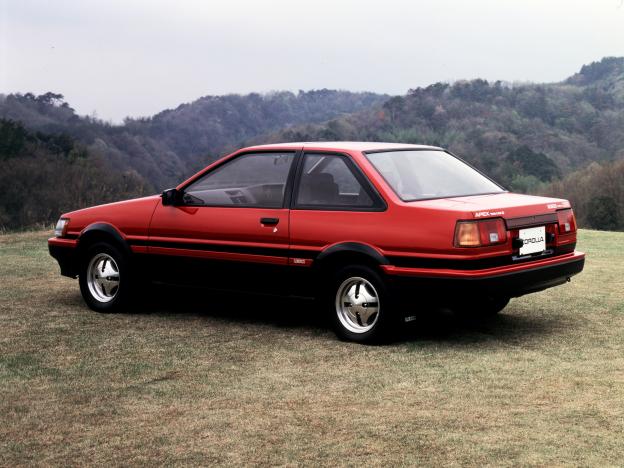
(269, 221)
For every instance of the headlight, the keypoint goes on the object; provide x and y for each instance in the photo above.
(61, 227)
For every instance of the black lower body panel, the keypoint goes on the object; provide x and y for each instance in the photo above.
(66, 258)
(512, 284)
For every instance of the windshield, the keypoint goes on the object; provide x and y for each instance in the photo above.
(422, 174)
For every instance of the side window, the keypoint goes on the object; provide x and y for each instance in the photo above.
(327, 181)
(257, 180)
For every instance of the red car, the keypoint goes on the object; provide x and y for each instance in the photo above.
(376, 231)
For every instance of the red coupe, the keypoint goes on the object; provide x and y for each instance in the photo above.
(376, 231)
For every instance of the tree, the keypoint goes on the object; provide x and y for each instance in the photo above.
(603, 213)
(533, 164)
(13, 137)
(50, 98)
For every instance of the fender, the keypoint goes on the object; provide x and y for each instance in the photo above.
(109, 231)
(354, 248)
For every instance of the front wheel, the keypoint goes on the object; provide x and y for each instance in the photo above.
(361, 305)
(105, 278)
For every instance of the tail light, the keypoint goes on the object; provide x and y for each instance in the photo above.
(480, 233)
(566, 221)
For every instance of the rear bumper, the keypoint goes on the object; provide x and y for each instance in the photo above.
(64, 251)
(511, 280)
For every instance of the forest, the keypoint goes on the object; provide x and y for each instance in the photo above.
(562, 139)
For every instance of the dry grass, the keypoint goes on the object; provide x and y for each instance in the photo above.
(209, 381)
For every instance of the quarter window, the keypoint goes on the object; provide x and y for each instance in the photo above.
(257, 180)
(327, 181)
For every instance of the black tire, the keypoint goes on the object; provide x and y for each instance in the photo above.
(379, 327)
(485, 307)
(122, 293)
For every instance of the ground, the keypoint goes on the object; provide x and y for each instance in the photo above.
(212, 379)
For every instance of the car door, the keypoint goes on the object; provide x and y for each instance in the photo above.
(231, 227)
(333, 202)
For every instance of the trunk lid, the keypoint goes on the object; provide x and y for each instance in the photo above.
(499, 205)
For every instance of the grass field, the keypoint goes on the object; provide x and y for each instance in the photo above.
(213, 380)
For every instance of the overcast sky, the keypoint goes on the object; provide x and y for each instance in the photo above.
(137, 57)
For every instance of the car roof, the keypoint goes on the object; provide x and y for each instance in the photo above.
(344, 146)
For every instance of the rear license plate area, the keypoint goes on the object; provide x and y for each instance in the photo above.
(533, 240)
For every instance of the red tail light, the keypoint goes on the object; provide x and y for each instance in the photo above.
(480, 233)
(567, 221)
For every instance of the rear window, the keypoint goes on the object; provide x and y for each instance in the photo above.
(418, 175)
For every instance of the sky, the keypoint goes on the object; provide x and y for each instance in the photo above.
(118, 58)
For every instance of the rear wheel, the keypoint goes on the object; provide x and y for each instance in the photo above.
(361, 306)
(105, 278)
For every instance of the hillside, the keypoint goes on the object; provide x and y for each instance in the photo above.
(537, 138)
(596, 193)
(520, 134)
(42, 175)
(175, 143)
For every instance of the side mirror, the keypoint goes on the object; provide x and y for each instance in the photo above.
(171, 197)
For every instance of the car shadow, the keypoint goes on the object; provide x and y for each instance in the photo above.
(431, 325)
(509, 328)
(235, 306)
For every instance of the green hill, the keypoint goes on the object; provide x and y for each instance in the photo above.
(509, 130)
(537, 138)
(175, 143)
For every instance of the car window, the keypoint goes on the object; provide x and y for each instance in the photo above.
(257, 179)
(418, 175)
(327, 180)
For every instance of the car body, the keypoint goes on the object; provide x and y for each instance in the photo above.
(347, 222)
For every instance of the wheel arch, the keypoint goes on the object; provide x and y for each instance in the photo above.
(102, 232)
(347, 253)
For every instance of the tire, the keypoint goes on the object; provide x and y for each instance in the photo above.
(106, 279)
(370, 316)
(486, 307)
